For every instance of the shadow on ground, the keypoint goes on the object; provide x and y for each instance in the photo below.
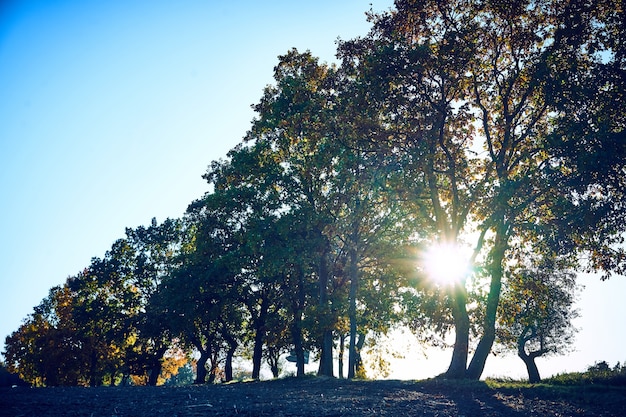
(311, 397)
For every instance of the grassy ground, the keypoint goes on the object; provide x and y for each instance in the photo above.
(323, 397)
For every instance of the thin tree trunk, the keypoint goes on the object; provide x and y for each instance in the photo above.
(272, 360)
(298, 305)
(296, 333)
(479, 359)
(230, 354)
(458, 364)
(275, 370)
(326, 357)
(259, 338)
(353, 271)
(93, 366)
(342, 348)
(359, 368)
(214, 366)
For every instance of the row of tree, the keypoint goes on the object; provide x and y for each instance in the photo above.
(490, 125)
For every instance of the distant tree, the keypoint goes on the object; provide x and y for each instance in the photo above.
(46, 350)
(278, 342)
(155, 252)
(184, 376)
(536, 312)
(105, 305)
(203, 294)
(100, 326)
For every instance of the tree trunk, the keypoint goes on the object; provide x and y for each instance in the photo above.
(296, 333)
(296, 330)
(259, 338)
(213, 371)
(531, 367)
(342, 348)
(477, 365)
(359, 368)
(230, 354)
(201, 367)
(297, 306)
(458, 364)
(529, 359)
(272, 360)
(275, 370)
(113, 378)
(228, 366)
(93, 369)
(157, 365)
(354, 282)
(155, 371)
(326, 356)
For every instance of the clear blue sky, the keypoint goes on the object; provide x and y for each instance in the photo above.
(110, 112)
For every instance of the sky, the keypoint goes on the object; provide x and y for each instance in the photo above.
(110, 112)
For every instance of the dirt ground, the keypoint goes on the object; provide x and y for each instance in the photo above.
(313, 397)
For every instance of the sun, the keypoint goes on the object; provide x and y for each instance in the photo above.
(446, 263)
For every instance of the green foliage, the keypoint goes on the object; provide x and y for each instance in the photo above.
(470, 99)
(598, 374)
(536, 310)
(98, 328)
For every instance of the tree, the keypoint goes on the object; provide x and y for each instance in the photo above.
(332, 192)
(156, 249)
(104, 305)
(292, 132)
(242, 213)
(100, 326)
(536, 312)
(205, 294)
(45, 350)
(473, 98)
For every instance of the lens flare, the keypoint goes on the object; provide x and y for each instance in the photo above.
(446, 263)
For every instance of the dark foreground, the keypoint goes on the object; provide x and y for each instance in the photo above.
(315, 397)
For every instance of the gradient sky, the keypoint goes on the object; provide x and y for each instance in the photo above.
(110, 112)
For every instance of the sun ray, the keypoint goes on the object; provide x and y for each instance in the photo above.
(446, 263)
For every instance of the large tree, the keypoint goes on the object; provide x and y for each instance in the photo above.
(495, 112)
(291, 133)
